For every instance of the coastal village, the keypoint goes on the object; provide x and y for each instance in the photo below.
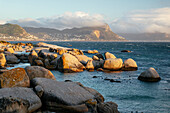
(35, 89)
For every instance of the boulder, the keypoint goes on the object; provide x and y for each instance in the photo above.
(113, 64)
(91, 51)
(109, 55)
(62, 51)
(57, 94)
(100, 56)
(89, 65)
(107, 107)
(32, 57)
(18, 100)
(130, 65)
(11, 59)
(95, 57)
(10, 50)
(14, 78)
(2, 60)
(149, 75)
(37, 71)
(39, 63)
(98, 63)
(69, 63)
(77, 51)
(83, 58)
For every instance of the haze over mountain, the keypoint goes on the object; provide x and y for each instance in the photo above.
(13, 32)
(85, 33)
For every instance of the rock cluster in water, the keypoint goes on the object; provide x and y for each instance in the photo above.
(35, 89)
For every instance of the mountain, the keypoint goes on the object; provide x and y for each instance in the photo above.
(146, 36)
(85, 33)
(9, 31)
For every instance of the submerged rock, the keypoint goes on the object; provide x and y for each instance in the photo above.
(14, 78)
(149, 75)
(18, 100)
(69, 63)
(109, 55)
(37, 71)
(107, 107)
(126, 51)
(113, 64)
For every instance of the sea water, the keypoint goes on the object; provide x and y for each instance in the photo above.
(130, 94)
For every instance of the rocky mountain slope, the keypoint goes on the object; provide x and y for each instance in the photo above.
(14, 31)
(86, 33)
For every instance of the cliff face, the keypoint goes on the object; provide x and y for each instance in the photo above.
(86, 33)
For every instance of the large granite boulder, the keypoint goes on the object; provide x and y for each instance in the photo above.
(130, 65)
(37, 71)
(18, 100)
(149, 75)
(14, 78)
(61, 94)
(109, 55)
(82, 58)
(12, 59)
(2, 60)
(113, 64)
(98, 63)
(69, 63)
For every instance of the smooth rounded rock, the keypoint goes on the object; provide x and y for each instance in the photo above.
(113, 64)
(37, 71)
(130, 65)
(109, 55)
(149, 75)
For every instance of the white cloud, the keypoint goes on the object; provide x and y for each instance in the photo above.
(67, 20)
(2, 21)
(155, 20)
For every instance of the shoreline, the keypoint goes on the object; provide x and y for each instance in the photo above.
(89, 41)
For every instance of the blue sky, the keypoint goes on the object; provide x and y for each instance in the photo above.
(16, 9)
(113, 12)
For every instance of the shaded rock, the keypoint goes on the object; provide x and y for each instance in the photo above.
(37, 71)
(48, 65)
(149, 75)
(18, 100)
(61, 93)
(39, 90)
(89, 65)
(130, 65)
(113, 64)
(98, 64)
(32, 57)
(107, 107)
(100, 56)
(95, 57)
(14, 78)
(11, 59)
(2, 60)
(126, 51)
(39, 63)
(109, 55)
(55, 61)
(83, 58)
(69, 63)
